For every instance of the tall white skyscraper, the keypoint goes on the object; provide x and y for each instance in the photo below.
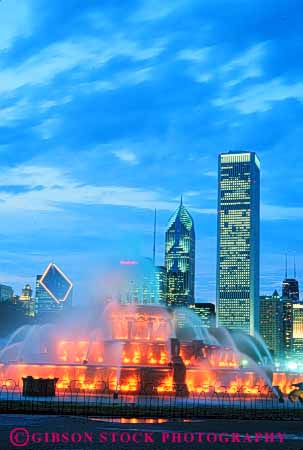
(238, 241)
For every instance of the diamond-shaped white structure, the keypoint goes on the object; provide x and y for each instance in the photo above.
(56, 283)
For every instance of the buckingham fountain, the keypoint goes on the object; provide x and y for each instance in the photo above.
(138, 349)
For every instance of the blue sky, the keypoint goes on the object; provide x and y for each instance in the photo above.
(111, 109)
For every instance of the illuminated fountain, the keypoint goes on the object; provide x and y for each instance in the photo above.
(139, 350)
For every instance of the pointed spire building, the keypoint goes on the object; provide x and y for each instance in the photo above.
(180, 258)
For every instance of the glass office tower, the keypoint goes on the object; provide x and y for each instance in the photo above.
(287, 305)
(271, 324)
(290, 286)
(238, 241)
(140, 282)
(6, 293)
(180, 258)
(297, 334)
(290, 289)
(161, 283)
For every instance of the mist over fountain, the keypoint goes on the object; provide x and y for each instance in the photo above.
(138, 349)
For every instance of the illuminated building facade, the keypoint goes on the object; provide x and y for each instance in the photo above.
(27, 301)
(271, 324)
(180, 258)
(290, 297)
(287, 305)
(238, 241)
(290, 289)
(290, 286)
(207, 313)
(6, 293)
(297, 337)
(161, 283)
(27, 294)
(53, 291)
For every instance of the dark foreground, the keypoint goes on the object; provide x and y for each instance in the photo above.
(68, 432)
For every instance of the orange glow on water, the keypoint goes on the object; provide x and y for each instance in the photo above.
(166, 386)
(285, 381)
(198, 381)
(129, 385)
(136, 352)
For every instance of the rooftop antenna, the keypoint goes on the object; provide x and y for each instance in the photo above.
(154, 244)
(295, 271)
(181, 200)
(285, 265)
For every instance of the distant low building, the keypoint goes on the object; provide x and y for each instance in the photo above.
(26, 301)
(12, 313)
(11, 318)
(6, 293)
(27, 293)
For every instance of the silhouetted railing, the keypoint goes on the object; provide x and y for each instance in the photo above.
(99, 402)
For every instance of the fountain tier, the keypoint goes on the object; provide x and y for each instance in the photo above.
(134, 349)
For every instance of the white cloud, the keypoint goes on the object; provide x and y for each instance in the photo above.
(59, 189)
(53, 103)
(8, 278)
(26, 108)
(48, 127)
(125, 78)
(211, 173)
(16, 21)
(205, 64)
(260, 97)
(17, 111)
(203, 77)
(127, 156)
(151, 10)
(61, 57)
(195, 55)
(199, 65)
(245, 66)
(191, 194)
(51, 189)
(137, 76)
(82, 53)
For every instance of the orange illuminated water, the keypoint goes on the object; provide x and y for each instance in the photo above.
(136, 356)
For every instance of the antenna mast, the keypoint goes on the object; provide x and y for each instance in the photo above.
(154, 244)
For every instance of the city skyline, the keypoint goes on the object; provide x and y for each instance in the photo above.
(289, 287)
(119, 110)
(114, 264)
